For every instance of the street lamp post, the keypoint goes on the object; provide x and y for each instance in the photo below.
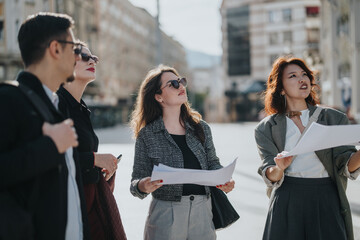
(355, 70)
(159, 53)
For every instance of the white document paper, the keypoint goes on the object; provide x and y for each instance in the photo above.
(171, 175)
(319, 137)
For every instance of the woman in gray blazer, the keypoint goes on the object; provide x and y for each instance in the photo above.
(170, 132)
(308, 199)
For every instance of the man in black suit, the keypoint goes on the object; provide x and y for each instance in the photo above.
(41, 195)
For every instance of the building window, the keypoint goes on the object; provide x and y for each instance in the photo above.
(287, 37)
(46, 6)
(272, 59)
(17, 27)
(313, 35)
(273, 38)
(1, 22)
(286, 15)
(274, 16)
(2, 72)
(342, 25)
(1, 9)
(238, 41)
(312, 11)
(344, 70)
(271, 16)
(1, 30)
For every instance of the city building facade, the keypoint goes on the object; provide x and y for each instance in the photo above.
(127, 39)
(14, 12)
(257, 32)
(128, 48)
(340, 51)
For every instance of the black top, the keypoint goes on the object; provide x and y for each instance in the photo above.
(190, 162)
(88, 141)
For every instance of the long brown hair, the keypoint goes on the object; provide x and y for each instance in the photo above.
(147, 109)
(273, 100)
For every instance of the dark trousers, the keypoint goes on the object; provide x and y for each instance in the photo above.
(305, 209)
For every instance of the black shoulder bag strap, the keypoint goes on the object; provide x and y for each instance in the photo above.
(36, 101)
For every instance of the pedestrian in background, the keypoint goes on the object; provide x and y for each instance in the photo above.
(104, 217)
(308, 192)
(41, 191)
(170, 132)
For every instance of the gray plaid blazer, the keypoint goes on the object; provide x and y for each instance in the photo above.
(154, 145)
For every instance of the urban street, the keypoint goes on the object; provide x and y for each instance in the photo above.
(248, 197)
(228, 58)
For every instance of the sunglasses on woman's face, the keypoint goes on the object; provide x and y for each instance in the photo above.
(176, 83)
(86, 57)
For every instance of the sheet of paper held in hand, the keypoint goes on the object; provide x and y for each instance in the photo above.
(319, 137)
(171, 175)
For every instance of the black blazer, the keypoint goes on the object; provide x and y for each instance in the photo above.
(88, 141)
(33, 173)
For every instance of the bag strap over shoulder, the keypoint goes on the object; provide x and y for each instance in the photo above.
(36, 101)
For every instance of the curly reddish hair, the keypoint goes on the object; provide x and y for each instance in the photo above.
(273, 100)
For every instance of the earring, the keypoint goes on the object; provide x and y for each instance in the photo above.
(284, 100)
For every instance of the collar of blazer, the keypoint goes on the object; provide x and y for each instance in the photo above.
(158, 125)
(278, 129)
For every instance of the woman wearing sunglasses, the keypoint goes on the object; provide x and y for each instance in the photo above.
(104, 217)
(170, 132)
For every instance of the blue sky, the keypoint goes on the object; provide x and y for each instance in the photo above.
(196, 24)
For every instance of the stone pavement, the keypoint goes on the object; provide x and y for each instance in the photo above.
(248, 197)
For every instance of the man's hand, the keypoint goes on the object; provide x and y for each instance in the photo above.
(63, 134)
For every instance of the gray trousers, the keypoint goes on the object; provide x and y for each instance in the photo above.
(189, 219)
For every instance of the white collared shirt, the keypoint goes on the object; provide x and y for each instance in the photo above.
(306, 165)
(74, 228)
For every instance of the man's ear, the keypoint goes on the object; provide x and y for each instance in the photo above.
(158, 98)
(54, 49)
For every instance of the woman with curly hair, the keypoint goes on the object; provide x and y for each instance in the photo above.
(308, 199)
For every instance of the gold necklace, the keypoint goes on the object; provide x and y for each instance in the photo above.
(292, 114)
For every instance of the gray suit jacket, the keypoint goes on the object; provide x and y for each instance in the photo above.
(154, 145)
(270, 138)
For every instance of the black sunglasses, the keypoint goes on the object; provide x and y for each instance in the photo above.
(77, 46)
(86, 57)
(176, 83)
